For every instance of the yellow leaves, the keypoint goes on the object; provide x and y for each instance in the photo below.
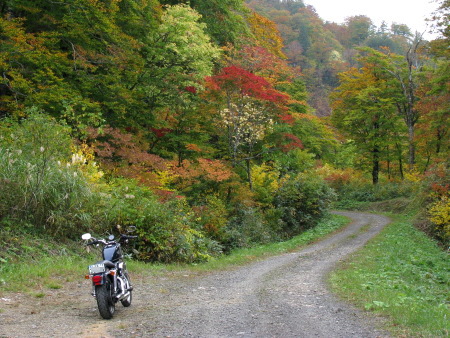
(265, 176)
(413, 176)
(439, 213)
(164, 179)
(83, 158)
(266, 34)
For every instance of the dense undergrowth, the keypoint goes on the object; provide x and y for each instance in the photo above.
(52, 264)
(50, 186)
(53, 187)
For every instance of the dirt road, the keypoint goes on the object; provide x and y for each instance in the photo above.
(283, 296)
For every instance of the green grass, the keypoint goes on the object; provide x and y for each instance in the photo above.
(45, 273)
(45, 270)
(242, 256)
(402, 275)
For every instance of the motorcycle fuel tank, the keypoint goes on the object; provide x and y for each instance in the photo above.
(112, 253)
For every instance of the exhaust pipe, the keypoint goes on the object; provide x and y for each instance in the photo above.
(123, 296)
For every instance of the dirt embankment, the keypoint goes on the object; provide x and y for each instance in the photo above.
(283, 296)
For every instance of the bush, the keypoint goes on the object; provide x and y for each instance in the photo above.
(168, 232)
(247, 227)
(356, 191)
(265, 182)
(38, 185)
(433, 204)
(302, 201)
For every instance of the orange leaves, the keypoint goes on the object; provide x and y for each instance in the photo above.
(193, 147)
(126, 155)
(213, 170)
(266, 34)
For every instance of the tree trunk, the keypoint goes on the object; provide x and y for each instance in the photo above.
(400, 160)
(412, 147)
(375, 165)
(249, 173)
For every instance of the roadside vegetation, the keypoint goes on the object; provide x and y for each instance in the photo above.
(403, 276)
(200, 127)
(51, 264)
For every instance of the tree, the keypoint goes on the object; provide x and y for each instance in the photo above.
(223, 18)
(81, 57)
(434, 109)
(403, 71)
(360, 28)
(266, 34)
(178, 55)
(365, 112)
(248, 106)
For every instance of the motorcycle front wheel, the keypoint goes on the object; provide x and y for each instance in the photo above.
(105, 303)
(127, 301)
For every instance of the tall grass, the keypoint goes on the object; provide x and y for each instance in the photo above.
(37, 184)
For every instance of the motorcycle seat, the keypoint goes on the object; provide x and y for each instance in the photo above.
(108, 264)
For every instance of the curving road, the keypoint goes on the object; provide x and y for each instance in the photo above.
(283, 296)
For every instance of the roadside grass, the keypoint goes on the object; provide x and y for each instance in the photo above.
(45, 273)
(402, 275)
(51, 269)
(328, 225)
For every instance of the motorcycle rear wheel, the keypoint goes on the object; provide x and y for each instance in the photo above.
(105, 303)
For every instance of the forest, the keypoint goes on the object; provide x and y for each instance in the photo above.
(212, 125)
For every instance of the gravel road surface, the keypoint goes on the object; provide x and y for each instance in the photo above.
(282, 296)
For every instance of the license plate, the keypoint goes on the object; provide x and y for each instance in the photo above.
(96, 268)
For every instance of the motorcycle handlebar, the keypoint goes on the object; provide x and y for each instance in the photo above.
(128, 237)
(92, 243)
(102, 241)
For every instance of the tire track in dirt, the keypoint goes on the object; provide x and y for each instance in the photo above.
(282, 296)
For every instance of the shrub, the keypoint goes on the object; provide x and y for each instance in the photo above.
(212, 217)
(265, 182)
(247, 227)
(433, 203)
(38, 185)
(439, 213)
(168, 232)
(302, 201)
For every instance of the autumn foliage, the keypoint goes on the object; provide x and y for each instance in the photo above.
(207, 125)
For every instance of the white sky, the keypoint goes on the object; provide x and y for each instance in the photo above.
(410, 12)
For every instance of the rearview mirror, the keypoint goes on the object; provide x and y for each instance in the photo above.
(86, 236)
(131, 228)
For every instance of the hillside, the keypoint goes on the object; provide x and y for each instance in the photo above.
(198, 122)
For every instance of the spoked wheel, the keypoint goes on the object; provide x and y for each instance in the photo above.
(105, 303)
(127, 301)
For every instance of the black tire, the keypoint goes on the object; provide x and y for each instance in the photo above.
(105, 304)
(127, 301)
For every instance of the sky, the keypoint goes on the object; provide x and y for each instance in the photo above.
(410, 12)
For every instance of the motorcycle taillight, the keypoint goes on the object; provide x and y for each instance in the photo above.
(97, 280)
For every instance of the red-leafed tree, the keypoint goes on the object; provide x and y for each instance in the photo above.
(248, 106)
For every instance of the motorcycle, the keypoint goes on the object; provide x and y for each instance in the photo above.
(110, 279)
